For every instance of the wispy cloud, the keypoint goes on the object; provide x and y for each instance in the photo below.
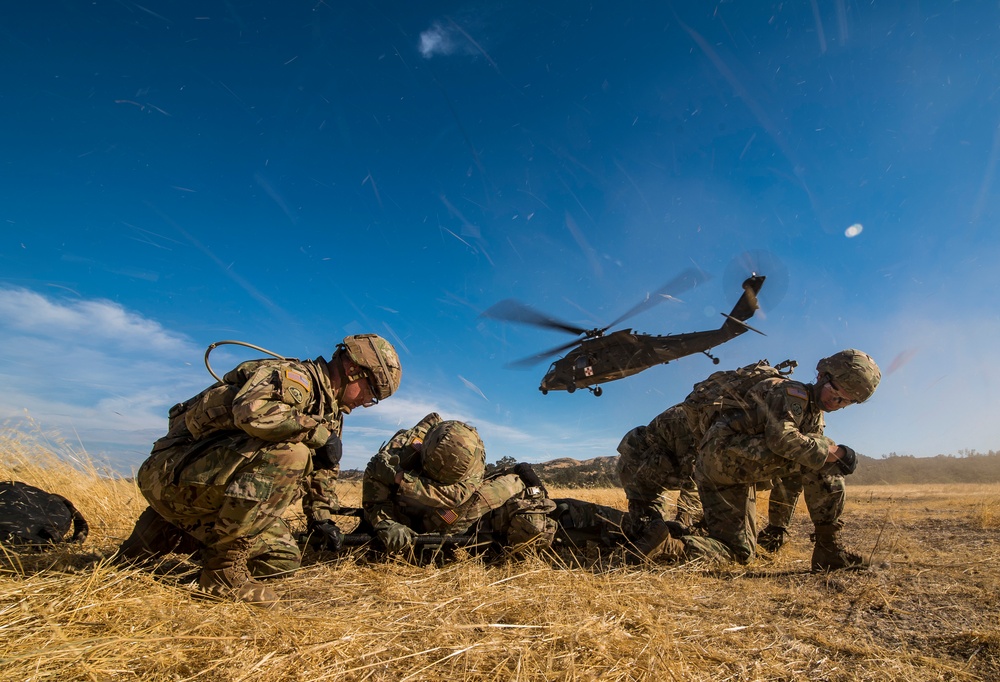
(103, 376)
(448, 36)
(439, 40)
(98, 320)
(91, 370)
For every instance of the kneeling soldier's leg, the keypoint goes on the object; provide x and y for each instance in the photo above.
(731, 519)
(825, 494)
(275, 552)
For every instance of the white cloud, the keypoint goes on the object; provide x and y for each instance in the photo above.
(102, 376)
(106, 321)
(436, 40)
(91, 371)
(445, 40)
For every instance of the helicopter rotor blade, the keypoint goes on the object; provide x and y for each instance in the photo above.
(510, 310)
(533, 360)
(685, 281)
(742, 324)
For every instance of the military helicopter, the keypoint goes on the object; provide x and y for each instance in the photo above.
(599, 358)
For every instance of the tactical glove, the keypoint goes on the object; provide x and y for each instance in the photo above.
(848, 462)
(395, 536)
(328, 456)
(326, 535)
(384, 469)
(527, 474)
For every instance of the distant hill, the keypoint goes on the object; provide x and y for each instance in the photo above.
(894, 469)
(972, 467)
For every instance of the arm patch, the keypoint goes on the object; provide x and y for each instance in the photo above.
(299, 378)
(449, 516)
(796, 400)
(796, 392)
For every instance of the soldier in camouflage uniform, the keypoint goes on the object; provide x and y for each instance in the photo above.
(781, 503)
(654, 459)
(779, 436)
(240, 452)
(430, 479)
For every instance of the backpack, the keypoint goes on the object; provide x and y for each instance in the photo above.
(727, 390)
(32, 516)
(212, 409)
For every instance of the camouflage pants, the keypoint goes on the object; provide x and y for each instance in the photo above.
(784, 496)
(647, 477)
(229, 488)
(727, 473)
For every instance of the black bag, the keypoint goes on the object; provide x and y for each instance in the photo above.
(32, 516)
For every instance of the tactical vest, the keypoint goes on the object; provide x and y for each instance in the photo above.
(727, 390)
(212, 409)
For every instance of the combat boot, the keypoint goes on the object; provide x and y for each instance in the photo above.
(152, 538)
(224, 573)
(657, 544)
(771, 538)
(829, 554)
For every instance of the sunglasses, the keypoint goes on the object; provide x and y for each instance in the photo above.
(839, 394)
(372, 399)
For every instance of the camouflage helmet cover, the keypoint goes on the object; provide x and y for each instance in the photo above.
(453, 452)
(378, 356)
(853, 371)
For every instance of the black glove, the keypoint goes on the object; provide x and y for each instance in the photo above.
(529, 477)
(395, 536)
(326, 535)
(328, 456)
(848, 462)
(384, 469)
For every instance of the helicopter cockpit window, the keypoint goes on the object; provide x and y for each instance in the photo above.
(582, 362)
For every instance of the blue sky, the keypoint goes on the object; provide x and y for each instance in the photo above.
(178, 173)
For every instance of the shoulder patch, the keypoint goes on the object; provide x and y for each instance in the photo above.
(299, 378)
(796, 391)
(449, 516)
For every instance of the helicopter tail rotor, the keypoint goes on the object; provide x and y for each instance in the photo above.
(750, 264)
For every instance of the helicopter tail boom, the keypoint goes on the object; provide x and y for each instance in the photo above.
(745, 307)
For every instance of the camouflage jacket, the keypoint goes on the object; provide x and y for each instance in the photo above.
(422, 503)
(788, 418)
(274, 401)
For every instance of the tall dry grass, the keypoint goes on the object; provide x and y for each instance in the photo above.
(929, 609)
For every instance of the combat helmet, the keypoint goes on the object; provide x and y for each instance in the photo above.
(377, 356)
(853, 371)
(453, 452)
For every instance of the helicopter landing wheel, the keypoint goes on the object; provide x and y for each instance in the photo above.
(544, 391)
(715, 360)
(597, 391)
(571, 388)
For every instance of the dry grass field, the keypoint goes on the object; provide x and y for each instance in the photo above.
(928, 610)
